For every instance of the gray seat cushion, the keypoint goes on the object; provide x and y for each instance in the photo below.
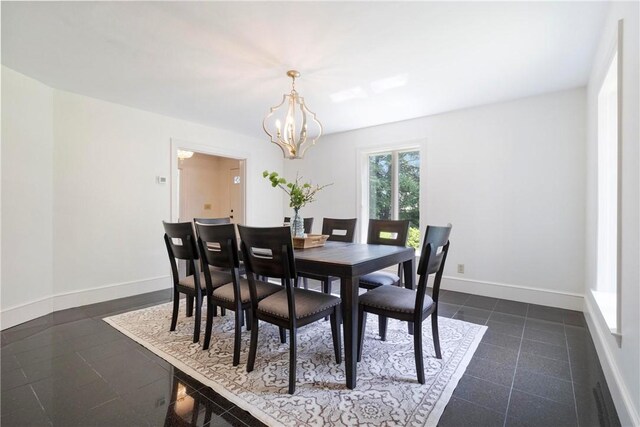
(263, 290)
(218, 278)
(378, 278)
(308, 303)
(393, 298)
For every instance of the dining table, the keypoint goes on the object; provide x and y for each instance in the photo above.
(349, 261)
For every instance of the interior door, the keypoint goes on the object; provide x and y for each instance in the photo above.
(236, 195)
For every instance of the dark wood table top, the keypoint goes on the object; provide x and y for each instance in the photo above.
(350, 259)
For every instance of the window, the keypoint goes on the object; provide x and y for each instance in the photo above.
(606, 292)
(393, 189)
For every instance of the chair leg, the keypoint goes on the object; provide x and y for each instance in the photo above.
(283, 335)
(417, 344)
(326, 288)
(249, 320)
(382, 327)
(436, 335)
(189, 305)
(305, 282)
(223, 311)
(362, 326)
(292, 360)
(237, 338)
(209, 325)
(176, 306)
(335, 333)
(253, 345)
(198, 307)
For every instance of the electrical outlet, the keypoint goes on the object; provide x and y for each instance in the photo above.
(207, 206)
(461, 268)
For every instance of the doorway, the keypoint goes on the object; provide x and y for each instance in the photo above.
(210, 186)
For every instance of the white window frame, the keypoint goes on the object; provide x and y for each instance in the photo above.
(607, 292)
(363, 181)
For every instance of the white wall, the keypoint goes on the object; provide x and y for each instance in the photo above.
(91, 185)
(620, 363)
(509, 177)
(27, 194)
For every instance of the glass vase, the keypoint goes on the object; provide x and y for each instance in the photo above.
(297, 225)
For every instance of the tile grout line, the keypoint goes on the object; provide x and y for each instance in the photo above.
(573, 388)
(513, 381)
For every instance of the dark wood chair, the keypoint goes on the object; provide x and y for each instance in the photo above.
(308, 223)
(385, 232)
(180, 241)
(410, 305)
(269, 252)
(219, 249)
(338, 230)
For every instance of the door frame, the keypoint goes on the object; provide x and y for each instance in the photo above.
(175, 144)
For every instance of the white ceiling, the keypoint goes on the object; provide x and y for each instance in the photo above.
(223, 64)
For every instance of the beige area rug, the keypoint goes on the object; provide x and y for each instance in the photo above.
(387, 393)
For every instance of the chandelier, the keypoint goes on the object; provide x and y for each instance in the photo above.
(293, 128)
(184, 154)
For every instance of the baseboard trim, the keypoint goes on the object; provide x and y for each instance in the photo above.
(600, 333)
(548, 297)
(21, 313)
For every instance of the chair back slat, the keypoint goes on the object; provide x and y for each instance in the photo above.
(268, 251)
(181, 240)
(218, 245)
(339, 230)
(388, 232)
(213, 221)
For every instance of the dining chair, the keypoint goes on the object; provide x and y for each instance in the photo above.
(180, 241)
(269, 252)
(219, 249)
(338, 230)
(308, 223)
(385, 232)
(408, 304)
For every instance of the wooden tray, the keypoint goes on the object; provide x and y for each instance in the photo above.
(311, 241)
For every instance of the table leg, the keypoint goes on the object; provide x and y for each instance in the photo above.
(349, 295)
(409, 267)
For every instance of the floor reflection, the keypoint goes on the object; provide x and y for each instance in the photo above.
(188, 407)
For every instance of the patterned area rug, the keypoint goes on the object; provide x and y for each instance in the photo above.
(387, 393)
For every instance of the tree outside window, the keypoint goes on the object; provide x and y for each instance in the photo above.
(394, 189)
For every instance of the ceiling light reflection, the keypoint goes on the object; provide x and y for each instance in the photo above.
(389, 83)
(349, 94)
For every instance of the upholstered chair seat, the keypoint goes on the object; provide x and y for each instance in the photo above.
(263, 290)
(308, 303)
(218, 278)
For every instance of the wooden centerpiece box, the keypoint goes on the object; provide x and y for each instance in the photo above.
(310, 241)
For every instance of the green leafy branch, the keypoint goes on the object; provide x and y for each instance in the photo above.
(300, 193)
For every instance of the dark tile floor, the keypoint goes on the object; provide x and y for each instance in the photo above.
(535, 366)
